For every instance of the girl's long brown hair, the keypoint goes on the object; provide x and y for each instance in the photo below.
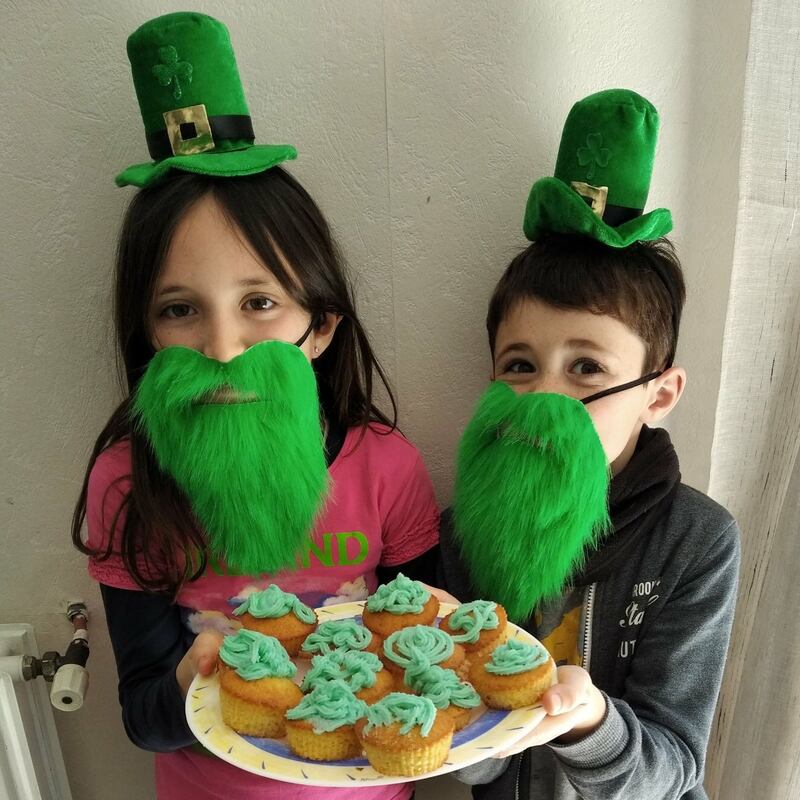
(161, 543)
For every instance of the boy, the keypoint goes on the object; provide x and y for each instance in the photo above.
(569, 508)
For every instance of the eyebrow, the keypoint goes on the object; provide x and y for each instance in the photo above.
(258, 282)
(511, 347)
(245, 282)
(575, 343)
(588, 343)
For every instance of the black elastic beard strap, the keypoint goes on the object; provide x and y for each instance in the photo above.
(622, 387)
(315, 320)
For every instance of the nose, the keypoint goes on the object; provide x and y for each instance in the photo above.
(550, 387)
(222, 339)
(548, 383)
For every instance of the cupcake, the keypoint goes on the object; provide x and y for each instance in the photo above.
(340, 634)
(513, 675)
(255, 686)
(478, 626)
(279, 614)
(419, 647)
(398, 604)
(451, 696)
(320, 726)
(363, 673)
(403, 735)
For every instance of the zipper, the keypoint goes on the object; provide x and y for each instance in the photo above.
(516, 780)
(585, 661)
(586, 658)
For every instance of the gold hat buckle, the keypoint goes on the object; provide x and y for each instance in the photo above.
(597, 195)
(189, 130)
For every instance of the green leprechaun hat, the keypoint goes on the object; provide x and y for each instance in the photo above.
(192, 103)
(602, 177)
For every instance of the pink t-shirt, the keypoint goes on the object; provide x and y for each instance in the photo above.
(381, 510)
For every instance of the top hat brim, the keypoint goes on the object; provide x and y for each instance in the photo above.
(554, 207)
(222, 163)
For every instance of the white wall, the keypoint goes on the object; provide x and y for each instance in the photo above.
(421, 125)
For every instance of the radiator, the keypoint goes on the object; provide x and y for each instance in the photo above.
(31, 762)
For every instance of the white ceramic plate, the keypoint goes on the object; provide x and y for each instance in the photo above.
(488, 731)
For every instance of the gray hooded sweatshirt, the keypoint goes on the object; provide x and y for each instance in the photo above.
(655, 622)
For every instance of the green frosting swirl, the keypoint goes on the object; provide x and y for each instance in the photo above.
(356, 669)
(330, 706)
(399, 596)
(337, 634)
(472, 618)
(443, 687)
(273, 603)
(418, 647)
(400, 707)
(515, 656)
(254, 655)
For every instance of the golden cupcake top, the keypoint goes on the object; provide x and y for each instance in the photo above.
(254, 655)
(337, 634)
(400, 596)
(329, 706)
(514, 657)
(442, 687)
(409, 710)
(471, 619)
(418, 647)
(273, 602)
(357, 669)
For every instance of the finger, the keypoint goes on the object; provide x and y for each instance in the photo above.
(550, 728)
(206, 664)
(553, 727)
(204, 651)
(573, 675)
(561, 698)
(572, 690)
(208, 641)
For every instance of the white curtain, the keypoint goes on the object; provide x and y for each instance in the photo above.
(755, 746)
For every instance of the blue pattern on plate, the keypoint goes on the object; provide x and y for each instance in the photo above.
(278, 747)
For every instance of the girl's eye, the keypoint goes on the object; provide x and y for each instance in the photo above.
(259, 303)
(585, 366)
(176, 311)
(518, 367)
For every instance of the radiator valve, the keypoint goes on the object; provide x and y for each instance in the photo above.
(67, 673)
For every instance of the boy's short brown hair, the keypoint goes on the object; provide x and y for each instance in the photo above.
(579, 273)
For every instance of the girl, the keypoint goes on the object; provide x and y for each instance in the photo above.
(217, 265)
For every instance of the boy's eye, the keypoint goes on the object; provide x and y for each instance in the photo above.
(176, 311)
(259, 303)
(585, 366)
(519, 366)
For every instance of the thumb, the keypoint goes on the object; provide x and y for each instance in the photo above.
(571, 691)
(206, 648)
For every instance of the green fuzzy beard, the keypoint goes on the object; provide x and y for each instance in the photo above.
(253, 466)
(531, 493)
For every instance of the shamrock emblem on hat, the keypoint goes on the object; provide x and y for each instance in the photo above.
(172, 71)
(594, 154)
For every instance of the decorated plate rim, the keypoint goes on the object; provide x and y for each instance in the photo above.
(205, 720)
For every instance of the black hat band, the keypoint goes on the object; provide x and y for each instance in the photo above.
(616, 215)
(224, 126)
